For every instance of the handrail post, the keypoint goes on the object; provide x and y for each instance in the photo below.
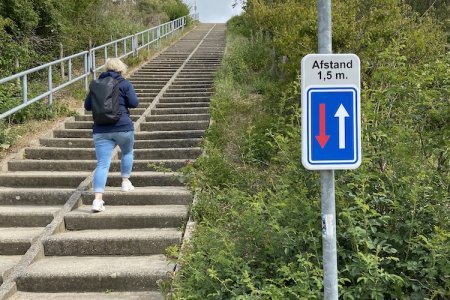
(158, 36)
(24, 89)
(133, 44)
(86, 71)
(61, 56)
(94, 71)
(69, 66)
(50, 86)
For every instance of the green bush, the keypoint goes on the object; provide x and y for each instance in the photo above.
(258, 211)
(175, 9)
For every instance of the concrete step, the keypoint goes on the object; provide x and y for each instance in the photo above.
(139, 144)
(167, 143)
(158, 68)
(34, 196)
(67, 142)
(152, 195)
(184, 99)
(201, 65)
(187, 94)
(148, 95)
(168, 153)
(104, 295)
(27, 215)
(192, 85)
(202, 71)
(72, 133)
(178, 117)
(183, 105)
(89, 117)
(188, 80)
(141, 179)
(189, 76)
(89, 165)
(147, 89)
(60, 153)
(42, 179)
(125, 217)
(150, 85)
(182, 134)
(7, 262)
(174, 125)
(94, 274)
(89, 153)
(17, 240)
(178, 110)
(79, 125)
(150, 77)
(161, 81)
(162, 65)
(186, 90)
(141, 241)
(133, 111)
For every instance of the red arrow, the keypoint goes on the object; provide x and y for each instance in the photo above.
(322, 138)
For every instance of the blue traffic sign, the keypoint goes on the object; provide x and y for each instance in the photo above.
(333, 138)
(331, 116)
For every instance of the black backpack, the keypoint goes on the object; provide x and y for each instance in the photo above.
(105, 100)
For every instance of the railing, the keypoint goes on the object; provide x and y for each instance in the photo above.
(91, 61)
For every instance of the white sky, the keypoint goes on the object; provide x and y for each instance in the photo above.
(214, 11)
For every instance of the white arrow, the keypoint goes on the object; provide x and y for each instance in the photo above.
(341, 114)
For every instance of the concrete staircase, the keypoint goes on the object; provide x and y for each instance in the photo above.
(53, 247)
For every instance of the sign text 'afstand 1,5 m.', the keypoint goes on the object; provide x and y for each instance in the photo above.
(331, 112)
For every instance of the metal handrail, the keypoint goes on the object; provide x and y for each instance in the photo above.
(90, 63)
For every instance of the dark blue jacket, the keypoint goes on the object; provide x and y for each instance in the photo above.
(127, 99)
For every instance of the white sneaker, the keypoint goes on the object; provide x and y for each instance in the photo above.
(97, 205)
(127, 186)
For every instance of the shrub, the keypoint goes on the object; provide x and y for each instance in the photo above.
(263, 218)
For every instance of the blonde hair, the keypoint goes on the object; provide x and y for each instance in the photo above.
(116, 65)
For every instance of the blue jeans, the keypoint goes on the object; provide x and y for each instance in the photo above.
(104, 146)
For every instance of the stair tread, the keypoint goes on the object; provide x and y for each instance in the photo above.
(115, 234)
(7, 262)
(122, 211)
(19, 190)
(98, 266)
(28, 210)
(88, 296)
(55, 174)
(19, 233)
(148, 190)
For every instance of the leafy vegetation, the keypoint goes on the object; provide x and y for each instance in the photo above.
(258, 211)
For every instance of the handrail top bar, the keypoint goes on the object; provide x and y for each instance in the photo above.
(112, 42)
(156, 27)
(38, 68)
(144, 31)
(130, 36)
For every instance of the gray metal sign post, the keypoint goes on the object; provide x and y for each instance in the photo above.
(331, 124)
(330, 277)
